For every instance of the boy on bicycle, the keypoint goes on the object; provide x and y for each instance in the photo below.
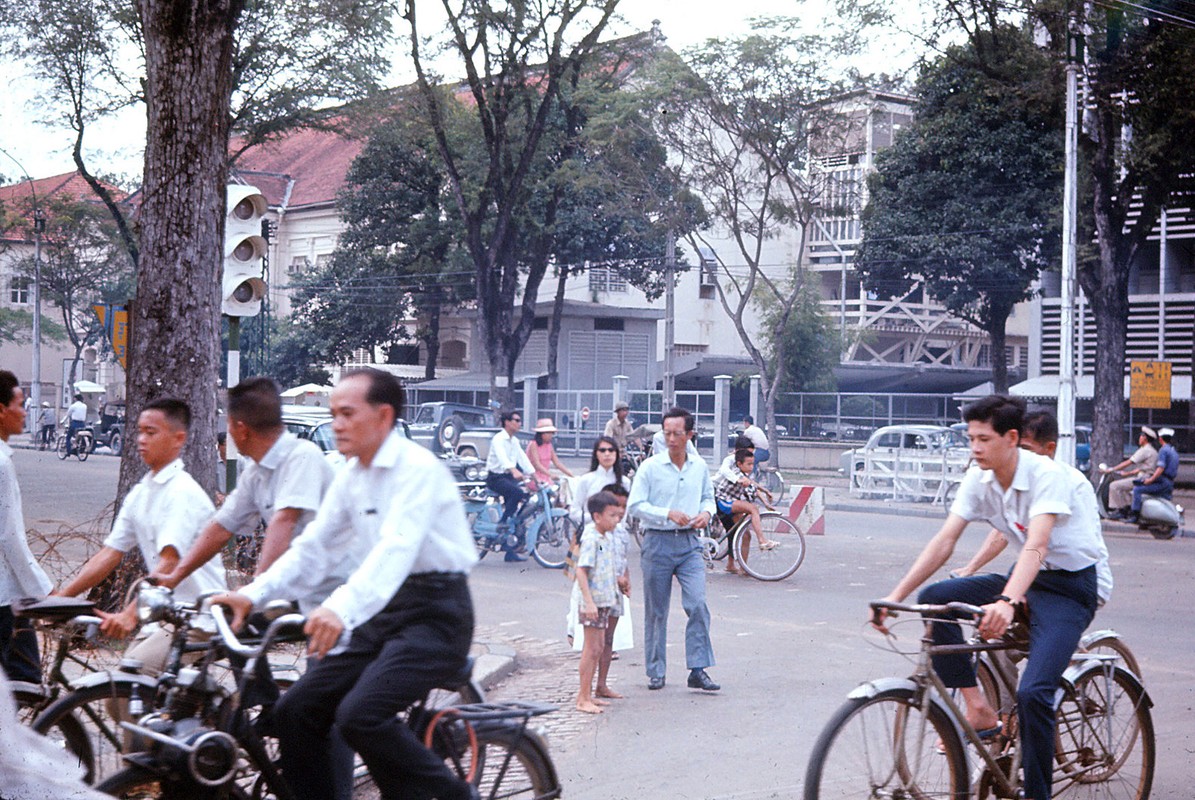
(1029, 499)
(735, 494)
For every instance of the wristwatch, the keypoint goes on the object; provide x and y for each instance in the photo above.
(1005, 598)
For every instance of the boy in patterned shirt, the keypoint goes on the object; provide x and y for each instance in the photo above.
(598, 582)
(735, 495)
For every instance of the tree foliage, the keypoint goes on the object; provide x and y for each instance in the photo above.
(965, 202)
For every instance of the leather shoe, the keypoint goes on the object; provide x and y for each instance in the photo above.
(511, 555)
(655, 683)
(699, 679)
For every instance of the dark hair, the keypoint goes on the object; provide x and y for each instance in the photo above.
(600, 502)
(593, 462)
(616, 489)
(683, 413)
(1002, 412)
(742, 454)
(176, 411)
(78, 396)
(743, 443)
(257, 403)
(507, 415)
(8, 384)
(1041, 427)
(384, 389)
(221, 439)
(539, 437)
(747, 418)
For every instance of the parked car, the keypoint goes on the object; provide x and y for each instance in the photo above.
(109, 430)
(457, 428)
(915, 441)
(1082, 445)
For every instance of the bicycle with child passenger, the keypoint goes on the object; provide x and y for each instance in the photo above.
(774, 556)
(540, 526)
(908, 737)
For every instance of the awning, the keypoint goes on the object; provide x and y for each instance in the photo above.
(467, 382)
(307, 388)
(1045, 387)
(89, 387)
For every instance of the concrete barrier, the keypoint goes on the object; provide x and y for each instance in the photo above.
(808, 510)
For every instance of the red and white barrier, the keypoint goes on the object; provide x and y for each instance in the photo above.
(808, 510)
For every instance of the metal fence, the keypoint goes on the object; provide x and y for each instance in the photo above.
(581, 415)
(853, 416)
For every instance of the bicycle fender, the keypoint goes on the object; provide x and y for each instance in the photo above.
(103, 678)
(538, 522)
(879, 686)
(1092, 636)
(1080, 669)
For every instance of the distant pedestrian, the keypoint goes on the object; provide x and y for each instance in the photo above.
(48, 425)
(673, 495)
(600, 600)
(619, 427)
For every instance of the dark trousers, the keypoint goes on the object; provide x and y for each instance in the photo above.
(416, 643)
(1061, 606)
(510, 489)
(47, 435)
(1163, 486)
(70, 435)
(18, 648)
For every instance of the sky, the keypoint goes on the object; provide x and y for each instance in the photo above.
(115, 145)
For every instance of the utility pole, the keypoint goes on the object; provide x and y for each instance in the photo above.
(39, 227)
(1070, 206)
(669, 383)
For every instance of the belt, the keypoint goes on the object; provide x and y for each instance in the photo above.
(670, 530)
(433, 579)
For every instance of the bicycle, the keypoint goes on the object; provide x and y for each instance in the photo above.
(771, 479)
(908, 738)
(84, 443)
(769, 563)
(206, 742)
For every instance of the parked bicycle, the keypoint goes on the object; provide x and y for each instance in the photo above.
(540, 526)
(908, 738)
(82, 443)
(207, 742)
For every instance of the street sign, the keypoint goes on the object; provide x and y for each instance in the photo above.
(585, 414)
(115, 320)
(1149, 384)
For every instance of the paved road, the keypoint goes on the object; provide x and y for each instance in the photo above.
(788, 653)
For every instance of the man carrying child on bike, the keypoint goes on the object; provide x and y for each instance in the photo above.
(1029, 499)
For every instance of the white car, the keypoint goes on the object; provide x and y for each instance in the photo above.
(908, 461)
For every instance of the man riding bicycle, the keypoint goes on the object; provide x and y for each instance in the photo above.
(1029, 499)
(399, 625)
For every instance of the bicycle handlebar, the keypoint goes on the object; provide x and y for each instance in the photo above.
(927, 608)
(234, 644)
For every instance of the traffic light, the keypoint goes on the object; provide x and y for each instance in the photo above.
(244, 252)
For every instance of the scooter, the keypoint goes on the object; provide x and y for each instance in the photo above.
(1159, 515)
(544, 529)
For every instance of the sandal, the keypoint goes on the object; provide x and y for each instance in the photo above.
(770, 544)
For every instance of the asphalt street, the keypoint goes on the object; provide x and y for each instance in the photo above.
(787, 653)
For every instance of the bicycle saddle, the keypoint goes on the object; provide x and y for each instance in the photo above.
(55, 609)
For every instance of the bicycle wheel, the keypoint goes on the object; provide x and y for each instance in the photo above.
(138, 783)
(635, 527)
(887, 746)
(1104, 746)
(514, 762)
(1108, 643)
(63, 447)
(83, 447)
(553, 538)
(773, 481)
(86, 723)
(781, 553)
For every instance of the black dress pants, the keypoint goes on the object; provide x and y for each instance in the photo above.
(417, 642)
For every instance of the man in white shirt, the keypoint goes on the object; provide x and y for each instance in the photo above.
(401, 622)
(507, 467)
(283, 484)
(759, 440)
(20, 574)
(1029, 499)
(162, 516)
(76, 415)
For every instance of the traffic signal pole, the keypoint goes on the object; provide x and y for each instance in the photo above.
(234, 377)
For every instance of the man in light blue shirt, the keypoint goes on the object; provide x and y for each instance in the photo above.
(674, 497)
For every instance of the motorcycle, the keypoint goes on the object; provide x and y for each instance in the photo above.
(543, 528)
(1159, 514)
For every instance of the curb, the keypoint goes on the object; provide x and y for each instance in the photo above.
(928, 513)
(492, 663)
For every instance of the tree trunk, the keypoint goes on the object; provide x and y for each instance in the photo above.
(996, 338)
(432, 340)
(1109, 301)
(554, 329)
(175, 345)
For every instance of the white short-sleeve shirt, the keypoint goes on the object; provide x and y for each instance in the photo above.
(293, 474)
(168, 508)
(1039, 486)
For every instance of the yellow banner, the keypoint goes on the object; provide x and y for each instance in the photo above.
(115, 320)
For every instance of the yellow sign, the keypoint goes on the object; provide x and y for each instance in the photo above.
(1149, 384)
(115, 320)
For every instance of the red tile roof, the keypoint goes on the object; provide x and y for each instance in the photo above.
(315, 161)
(68, 185)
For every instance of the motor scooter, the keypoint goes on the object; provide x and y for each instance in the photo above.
(540, 526)
(1159, 514)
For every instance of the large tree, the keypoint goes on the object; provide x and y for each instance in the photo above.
(965, 202)
(741, 118)
(1138, 79)
(516, 58)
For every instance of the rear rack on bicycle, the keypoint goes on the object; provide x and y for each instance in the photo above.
(502, 709)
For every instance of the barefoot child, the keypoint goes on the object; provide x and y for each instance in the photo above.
(598, 584)
(622, 572)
